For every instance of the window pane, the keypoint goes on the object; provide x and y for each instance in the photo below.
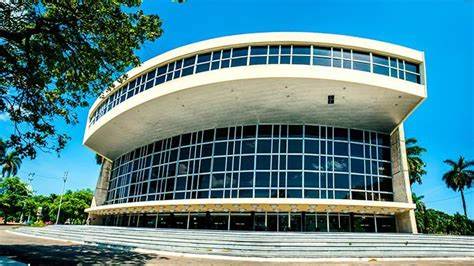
(285, 59)
(239, 52)
(301, 49)
(412, 77)
(202, 67)
(380, 59)
(384, 169)
(294, 179)
(341, 148)
(362, 56)
(263, 162)
(265, 131)
(340, 133)
(264, 146)
(247, 163)
(357, 150)
(357, 182)
(341, 164)
(242, 61)
(312, 131)
(295, 146)
(219, 164)
(189, 61)
(311, 146)
(274, 49)
(361, 66)
(295, 131)
(322, 51)
(322, 61)
(341, 195)
(217, 180)
(294, 162)
(385, 184)
(204, 57)
(260, 60)
(357, 135)
(357, 166)
(250, 131)
(258, 50)
(285, 49)
(384, 153)
(246, 179)
(204, 182)
(301, 60)
(412, 67)
(381, 70)
(262, 179)
(311, 179)
(311, 162)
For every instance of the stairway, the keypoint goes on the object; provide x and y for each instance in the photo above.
(263, 244)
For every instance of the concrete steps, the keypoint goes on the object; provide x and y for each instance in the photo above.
(263, 244)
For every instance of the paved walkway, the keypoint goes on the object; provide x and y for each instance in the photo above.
(38, 251)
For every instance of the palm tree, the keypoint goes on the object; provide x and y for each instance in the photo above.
(416, 166)
(3, 150)
(10, 164)
(420, 210)
(459, 177)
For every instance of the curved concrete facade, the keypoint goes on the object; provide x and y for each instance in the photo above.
(356, 84)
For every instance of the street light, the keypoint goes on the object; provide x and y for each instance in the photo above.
(61, 198)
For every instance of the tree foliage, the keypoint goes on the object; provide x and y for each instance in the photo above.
(72, 208)
(10, 164)
(416, 165)
(54, 55)
(13, 193)
(437, 222)
(459, 177)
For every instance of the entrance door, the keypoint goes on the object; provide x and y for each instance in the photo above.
(241, 221)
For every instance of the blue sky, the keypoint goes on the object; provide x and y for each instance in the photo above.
(444, 124)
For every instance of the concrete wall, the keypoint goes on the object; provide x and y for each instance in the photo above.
(406, 221)
(100, 194)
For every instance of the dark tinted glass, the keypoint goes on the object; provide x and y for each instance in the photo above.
(322, 51)
(340, 133)
(301, 49)
(204, 57)
(258, 50)
(362, 56)
(239, 52)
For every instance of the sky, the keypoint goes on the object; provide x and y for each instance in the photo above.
(444, 30)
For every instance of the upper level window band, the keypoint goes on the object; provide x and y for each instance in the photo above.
(258, 55)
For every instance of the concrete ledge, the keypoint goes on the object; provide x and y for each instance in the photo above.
(255, 204)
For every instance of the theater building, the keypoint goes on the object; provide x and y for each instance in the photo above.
(266, 131)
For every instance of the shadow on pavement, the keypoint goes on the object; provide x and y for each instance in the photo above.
(74, 254)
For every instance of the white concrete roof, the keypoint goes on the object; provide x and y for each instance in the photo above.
(260, 93)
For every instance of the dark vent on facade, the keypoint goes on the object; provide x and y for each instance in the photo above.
(330, 99)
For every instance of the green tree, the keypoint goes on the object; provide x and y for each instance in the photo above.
(10, 164)
(72, 207)
(13, 193)
(99, 159)
(3, 151)
(419, 212)
(459, 177)
(54, 55)
(416, 165)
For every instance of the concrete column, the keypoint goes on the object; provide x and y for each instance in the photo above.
(406, 221)
(100, 194)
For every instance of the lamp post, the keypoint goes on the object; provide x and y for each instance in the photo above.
(61, 198)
